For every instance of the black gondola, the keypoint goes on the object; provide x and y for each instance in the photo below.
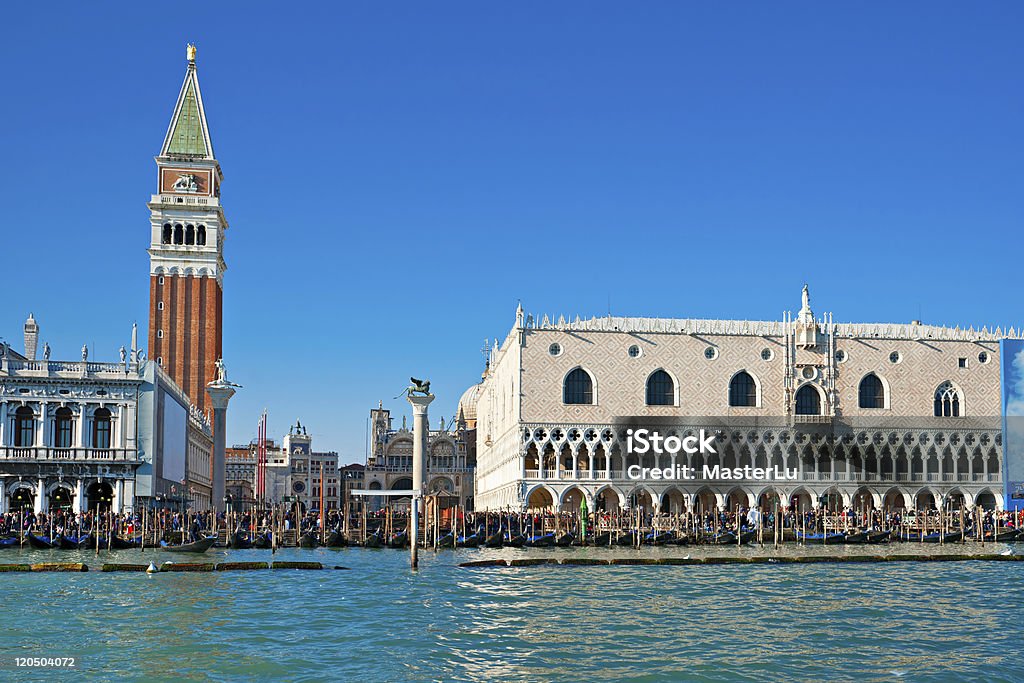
(200, 546)
(119, 543)
(73, 542)
(240, 541)
(308, 540)
(857, 537)
(495, 540)
(399, 540)
(565, 540)
(515, 540)
(939, 537)
(722, 538)
(471, 541)
(373, 540)
(336, 539)
(42, 542)
(446, 540)
(659, 537)
(602, 539)
(8, 541)
(262, 541)
(540, 541)
(875, 537)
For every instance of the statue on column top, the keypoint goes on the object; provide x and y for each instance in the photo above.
(85, 352)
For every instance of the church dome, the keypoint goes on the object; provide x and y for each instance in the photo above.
(467, 404)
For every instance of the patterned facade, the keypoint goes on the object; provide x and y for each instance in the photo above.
(855, 408)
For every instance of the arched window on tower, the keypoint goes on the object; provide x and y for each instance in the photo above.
(168, 233)
(578, 389)
(190, 234)
(661, 390)
(947, 400)
(179, 234)
(743, 391)
(101, 428)
(808, 401)
(201, 235)
(63, 428)
(872, 392)
(24, 427)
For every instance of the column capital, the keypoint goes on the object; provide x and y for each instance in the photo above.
(420, 402)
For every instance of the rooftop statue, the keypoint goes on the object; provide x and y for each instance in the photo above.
(418, 387)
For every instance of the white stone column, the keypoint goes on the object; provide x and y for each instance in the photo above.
(3, 497)
(78, 505)
(220, 391)
(121, 427)
(117, 503)
(83, 425)
(3, 426)
(420, 432)
(40, 494)
(43, 432)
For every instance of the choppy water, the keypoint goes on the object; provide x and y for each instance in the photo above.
(381, 622)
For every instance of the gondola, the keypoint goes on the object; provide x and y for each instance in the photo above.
(682, 539)
(821, 539)
(540, 541)
(336, 539)
(857, 537)
(939, 537)
(446, 540)
(399, 540)
(471, 541)
(495, 540)
(875, 537)
(262, 541)
(601, 539)
(240, 541)
(565, 540)
(119, 543)
(627, 538)
(73, 542)
(723, 538)
(200, 546)
(374, 540)
(515, 540)
(659, 537)
(8, 541)
(1004, 536)
(42, 542)
(308, 540)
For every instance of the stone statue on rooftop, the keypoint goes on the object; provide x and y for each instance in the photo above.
(85, 352)
(46, 351)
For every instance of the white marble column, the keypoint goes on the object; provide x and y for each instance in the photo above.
(220, 391)
(3, 497)
(128, 499)
(4, 438)
(42, 432)
(118, 501)
(420, 431)
(78, 505)
(83, 425)
(40, 494)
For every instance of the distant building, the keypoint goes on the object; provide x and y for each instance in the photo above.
(888, 415)
(352, 477)
(68, 434)
(175, 444)
(293, 472)
(449, 468)
(240, 474)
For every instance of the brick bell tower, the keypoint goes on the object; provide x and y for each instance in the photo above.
(186, 253)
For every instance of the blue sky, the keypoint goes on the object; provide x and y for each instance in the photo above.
(399, 175)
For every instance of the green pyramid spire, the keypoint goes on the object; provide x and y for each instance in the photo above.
(188, 134)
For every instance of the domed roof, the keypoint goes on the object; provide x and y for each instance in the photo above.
(467, 404)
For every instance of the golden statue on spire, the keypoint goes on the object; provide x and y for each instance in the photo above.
(190, 52)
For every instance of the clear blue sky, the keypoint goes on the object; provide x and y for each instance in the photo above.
(398, 175)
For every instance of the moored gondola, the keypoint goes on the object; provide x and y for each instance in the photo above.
(446, 540)
(240, 540)
(495, 540)
(540, 541)
(373, 540)
(336, 539)
(565, 540)
(940, 537)
(262, 541)
(875, 537)
(659, 537)
(721, 538)
(200, 546)
(73, 542)
(8, 541)
(515, 540)
(471, 541)
(820, 538)
(399, 540)
(856, 537)
(308, 540)
(42, 542)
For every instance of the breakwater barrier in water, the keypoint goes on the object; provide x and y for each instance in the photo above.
(165, 567)
(676, 561)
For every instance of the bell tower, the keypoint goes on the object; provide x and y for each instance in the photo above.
(186, 253)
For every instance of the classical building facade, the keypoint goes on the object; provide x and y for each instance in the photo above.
(449, 470)
(866, 415)
(297, 473)
(67, 429)
(186, 263)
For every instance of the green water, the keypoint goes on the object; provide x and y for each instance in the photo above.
(381, 622)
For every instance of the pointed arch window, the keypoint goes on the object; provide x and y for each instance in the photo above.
(190, 234)
(168, 233)
(872, 392)
(947, 401)
(101, 428)
(179, 233)
(808, 401)
(578, 388)
(743, 391)
(661, 389)
(201, 235)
